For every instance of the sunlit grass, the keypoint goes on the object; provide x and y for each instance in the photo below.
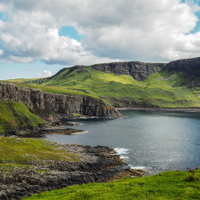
(164, 186)
(16, 115)
(20, 150)
(160, 89)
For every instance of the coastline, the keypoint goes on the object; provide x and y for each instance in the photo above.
(96, 164)
(161, 109)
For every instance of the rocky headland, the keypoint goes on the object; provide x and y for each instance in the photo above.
(50, 106)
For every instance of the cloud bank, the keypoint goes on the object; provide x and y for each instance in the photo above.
(156, 30)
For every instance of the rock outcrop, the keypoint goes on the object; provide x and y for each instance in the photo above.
(43, 104)
(188, 69)
(138, 70)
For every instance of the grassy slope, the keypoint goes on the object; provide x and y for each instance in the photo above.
(16, 152)
(167, 185)
(19, 150)
(16, 115)
(160, 89)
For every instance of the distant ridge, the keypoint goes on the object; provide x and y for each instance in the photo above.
(131, 84)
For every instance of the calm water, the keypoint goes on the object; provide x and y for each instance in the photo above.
(154, 141)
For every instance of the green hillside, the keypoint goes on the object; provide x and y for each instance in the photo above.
(161, 89)
(176, 84)
(15, 116)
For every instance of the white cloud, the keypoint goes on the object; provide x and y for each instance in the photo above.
(156, 30)
(195, 7)
(44, 74)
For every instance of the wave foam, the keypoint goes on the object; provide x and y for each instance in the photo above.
(124, 157)
(77, 133)
(121, 151)
(140, 167)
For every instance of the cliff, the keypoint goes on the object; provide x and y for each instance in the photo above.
(132, 84)
(138, 70)
(188, 70)
(43, 104)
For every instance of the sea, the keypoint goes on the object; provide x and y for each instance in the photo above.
(147, 140)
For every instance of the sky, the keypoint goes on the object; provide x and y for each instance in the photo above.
(40, 37)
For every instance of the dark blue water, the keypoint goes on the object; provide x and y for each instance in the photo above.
(154, 141)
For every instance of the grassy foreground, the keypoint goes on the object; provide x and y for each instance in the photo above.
(161, 89)
(167, 185)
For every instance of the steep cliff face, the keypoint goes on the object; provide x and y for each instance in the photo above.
(188, 69)
(43, 102)
(138, 70)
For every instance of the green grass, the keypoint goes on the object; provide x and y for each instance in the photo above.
(160, 89)
(14, 116)
(21, 80)
(164, 186)
(20, 150)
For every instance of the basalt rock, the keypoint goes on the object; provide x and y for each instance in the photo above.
(188, 69)
(138, 70)
(45, 105)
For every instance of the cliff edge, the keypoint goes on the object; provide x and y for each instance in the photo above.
(45, 105)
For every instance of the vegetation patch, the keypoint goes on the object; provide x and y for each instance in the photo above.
(167, 185)
(16, 116)
(20, 151)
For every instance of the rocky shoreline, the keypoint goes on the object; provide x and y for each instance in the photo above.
(95, 165)
(49, 128)
(195, 109)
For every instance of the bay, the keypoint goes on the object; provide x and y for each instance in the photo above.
(153, 141)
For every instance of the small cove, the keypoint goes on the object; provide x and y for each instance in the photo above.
(153, 141)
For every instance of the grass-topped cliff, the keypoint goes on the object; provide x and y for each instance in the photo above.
(129, 84)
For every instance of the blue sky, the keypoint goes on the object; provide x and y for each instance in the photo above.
(197, 27)
(71, 32)
(38, 38)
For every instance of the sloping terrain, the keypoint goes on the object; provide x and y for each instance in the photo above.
(22, 108)
(130, 84)
(16, 116)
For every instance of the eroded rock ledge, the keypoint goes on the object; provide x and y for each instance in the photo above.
(45, 105)
(95, 165)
